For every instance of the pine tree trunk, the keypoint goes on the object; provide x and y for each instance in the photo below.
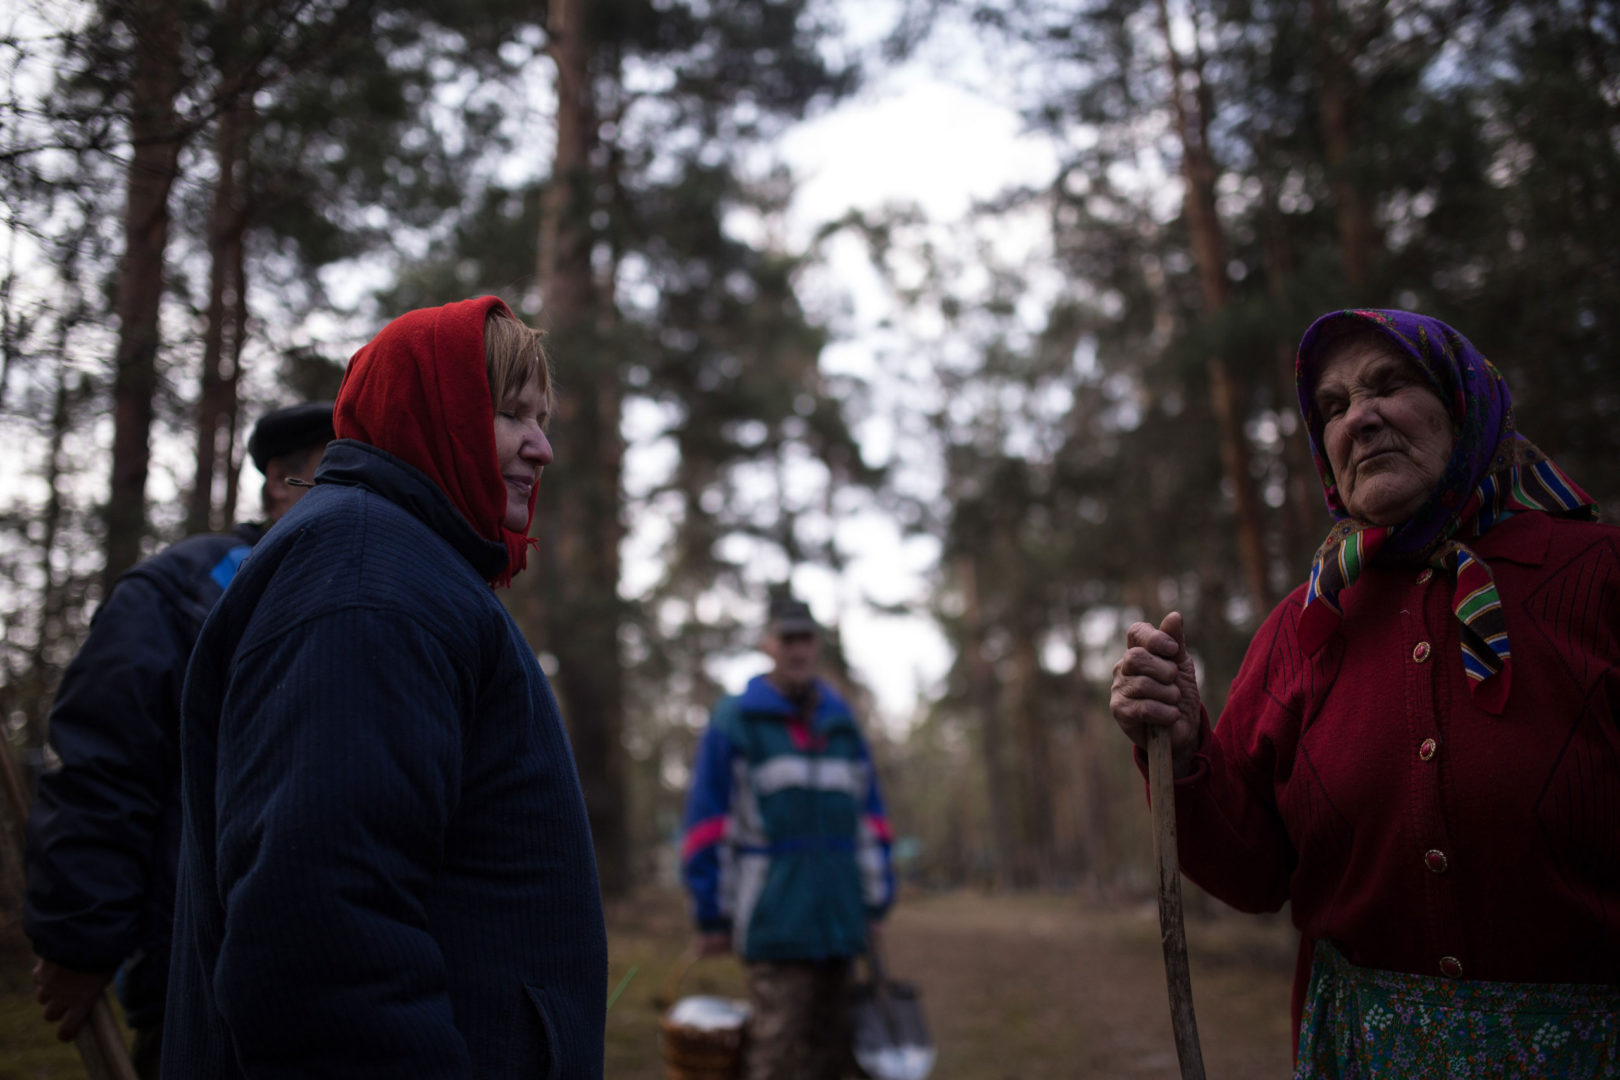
(982, 681)
(233, 395)
(40, 676)
(8, 319)
(1036, 782)
(224, 287)
(1096, 740)
(154, 162)
(1199, 173)
(1337, 120)
(1301, 492)
(579, 511)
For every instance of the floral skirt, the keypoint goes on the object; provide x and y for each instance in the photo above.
(1364, 1024)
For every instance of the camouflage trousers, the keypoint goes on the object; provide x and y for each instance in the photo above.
(800, 1024)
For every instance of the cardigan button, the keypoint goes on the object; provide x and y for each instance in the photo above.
(1451, 967)
(1435, 860)
(1421, 652)
(1424, 576)
(1426, 749)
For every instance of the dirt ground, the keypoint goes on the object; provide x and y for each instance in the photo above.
(1025, 988)
(1015, 988)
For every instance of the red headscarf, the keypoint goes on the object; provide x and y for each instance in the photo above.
(419, 391)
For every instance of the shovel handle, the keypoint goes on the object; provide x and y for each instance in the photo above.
(880, 986)
(101, 1045)
(672, 982)
(1172, 925)
(874, 964)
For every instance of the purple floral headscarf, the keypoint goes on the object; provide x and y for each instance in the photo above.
(1493, 473)
(1475, 396)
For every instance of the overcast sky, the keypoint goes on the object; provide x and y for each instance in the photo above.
(924, 133)
(917, 133)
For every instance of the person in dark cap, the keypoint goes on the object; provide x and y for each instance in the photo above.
(285, 446)
(786, 852)
(104, 832)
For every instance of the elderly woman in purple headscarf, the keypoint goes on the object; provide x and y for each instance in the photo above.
(1421, 751)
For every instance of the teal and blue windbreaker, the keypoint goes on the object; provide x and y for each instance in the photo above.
(787, 843)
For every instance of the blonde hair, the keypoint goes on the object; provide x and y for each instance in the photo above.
(512, 356)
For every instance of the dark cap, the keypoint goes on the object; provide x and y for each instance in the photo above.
(293, 428)
(790, 616)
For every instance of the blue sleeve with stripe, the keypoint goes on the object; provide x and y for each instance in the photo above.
(708, 809)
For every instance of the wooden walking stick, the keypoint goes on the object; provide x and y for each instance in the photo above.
(1172, 927)
(100, 1043)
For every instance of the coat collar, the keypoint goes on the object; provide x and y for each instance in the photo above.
(351, 463)
(1522, 538)
(761, 697)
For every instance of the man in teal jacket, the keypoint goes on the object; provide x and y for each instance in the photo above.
(786, 851)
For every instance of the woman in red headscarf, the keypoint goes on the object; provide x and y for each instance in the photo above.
(386, 868)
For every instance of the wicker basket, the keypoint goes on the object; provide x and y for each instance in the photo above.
(694, 1052)
(691, 1053)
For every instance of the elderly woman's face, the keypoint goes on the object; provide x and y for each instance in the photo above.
(1386, 433)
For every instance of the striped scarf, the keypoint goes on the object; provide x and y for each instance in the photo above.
(1533, 483)
(1500, 472)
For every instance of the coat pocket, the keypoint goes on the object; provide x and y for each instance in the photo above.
(550, 1048)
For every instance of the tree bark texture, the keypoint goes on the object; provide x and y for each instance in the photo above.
(1301, 492)
(155, 139)
(226, 288)
(983, 692)
(1092, 748)
(579, 512)
(1038, 849)
(8, 320)
(41, 678)
(1337, 119)
(232, 397)
(1199, 173)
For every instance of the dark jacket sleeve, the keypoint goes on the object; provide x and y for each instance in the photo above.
(92, 833)
(339, 764)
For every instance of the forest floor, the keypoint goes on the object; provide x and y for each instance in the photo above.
(1015, 988)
